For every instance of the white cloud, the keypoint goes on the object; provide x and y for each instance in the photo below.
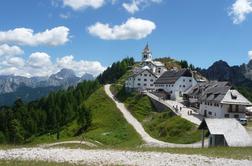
(25, 36)
(250, 54)
(240, 9)
(82, 4)
(39, 59)
(16, 61)
(133, 28)
(40, 64)
(80, 67)
(131, 7)
(135, 5)
(6, 50)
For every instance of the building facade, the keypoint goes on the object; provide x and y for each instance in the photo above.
(143, 80)
(218, 100)
(175, 82)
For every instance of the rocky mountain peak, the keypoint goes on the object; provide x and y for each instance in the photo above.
(64, 74)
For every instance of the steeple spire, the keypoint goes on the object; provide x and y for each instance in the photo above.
(146, 53)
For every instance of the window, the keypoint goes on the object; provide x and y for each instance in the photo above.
(236, 108)
(145, 75)
(145, 79)
(139, 84)
(184, 86)
(149, 75)
(139, 79)
(209, 113)
(190, 80)
(226, 115)
(180, 86)
(145, 84)
(183, 80)
(230, 108)
(151, 84)
(151, 80)
(236, 116)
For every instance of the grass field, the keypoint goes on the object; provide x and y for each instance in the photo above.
(31, 163)
(108, 124)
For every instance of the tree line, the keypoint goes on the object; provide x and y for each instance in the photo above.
(115, 71)
(21, 122)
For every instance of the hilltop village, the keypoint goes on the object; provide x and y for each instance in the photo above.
(211, 99)
(212, 105)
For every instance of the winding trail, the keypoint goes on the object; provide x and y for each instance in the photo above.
(150, 141)
(68, 142)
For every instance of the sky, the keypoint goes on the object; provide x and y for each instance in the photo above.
(40, 37)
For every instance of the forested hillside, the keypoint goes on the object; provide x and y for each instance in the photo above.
(22, 122)
(116, 70)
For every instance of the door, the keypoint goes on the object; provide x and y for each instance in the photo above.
(205, 113)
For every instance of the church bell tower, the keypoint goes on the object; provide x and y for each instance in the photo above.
(146, 54)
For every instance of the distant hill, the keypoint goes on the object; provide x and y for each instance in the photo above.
(28, 89)
(26, 94)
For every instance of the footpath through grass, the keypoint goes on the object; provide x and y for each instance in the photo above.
(161, 125)
(108, 124)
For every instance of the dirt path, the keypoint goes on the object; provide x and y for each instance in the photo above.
(113, 157)
(68, 142)
(150, 141)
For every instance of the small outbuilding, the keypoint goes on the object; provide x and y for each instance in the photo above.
(225, 132)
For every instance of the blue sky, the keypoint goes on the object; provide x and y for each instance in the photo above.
(199, 31)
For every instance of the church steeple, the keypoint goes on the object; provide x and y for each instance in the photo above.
(146, 54)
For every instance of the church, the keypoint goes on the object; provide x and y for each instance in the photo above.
(146, 73)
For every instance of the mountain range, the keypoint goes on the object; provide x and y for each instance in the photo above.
(222, 71)
(28, 89)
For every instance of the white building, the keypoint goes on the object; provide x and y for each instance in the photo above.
(175, 82)
(146, 73)
(222, 101)
(142, 80)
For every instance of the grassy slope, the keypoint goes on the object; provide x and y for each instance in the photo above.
(66, 133)
(108, 125)
(163, 126)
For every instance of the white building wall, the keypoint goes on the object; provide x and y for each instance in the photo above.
(176, 90)
(219, 111)
(142, 81)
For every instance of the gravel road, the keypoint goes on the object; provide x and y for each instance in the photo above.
(150, 141)
(113, 157)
